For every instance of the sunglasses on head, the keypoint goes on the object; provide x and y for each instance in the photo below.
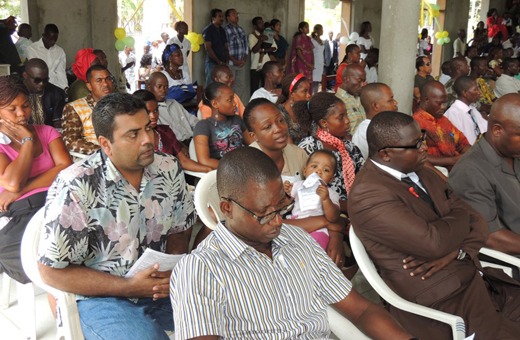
(38, 80)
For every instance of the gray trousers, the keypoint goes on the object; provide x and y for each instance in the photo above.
(239, 75)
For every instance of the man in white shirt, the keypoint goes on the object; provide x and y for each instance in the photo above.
(375, 98)
(25, 34)
(459, 45)
(53, 55)
(171, 113)
(127, 61)
(272, 73)
(446, 73)
(255, 40)
(507, 83)
(372, 61)
(462, 114)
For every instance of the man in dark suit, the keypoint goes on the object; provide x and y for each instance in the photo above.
(331, 54)
(424, 239)
(47, 100)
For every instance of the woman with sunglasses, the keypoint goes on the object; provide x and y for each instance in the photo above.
(30, 158)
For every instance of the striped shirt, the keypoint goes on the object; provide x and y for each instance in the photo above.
(355, 111)
(227, 288)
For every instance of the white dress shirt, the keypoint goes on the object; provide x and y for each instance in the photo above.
(185, 47)
(459, 116)
(443, 79)
(360, 137)
(400, 175)
(506, 84)
(21, 47)
(177, 118)
(371, 73)
(263, 93)
(55, 59)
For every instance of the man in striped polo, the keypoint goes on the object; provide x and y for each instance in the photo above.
(254, 277)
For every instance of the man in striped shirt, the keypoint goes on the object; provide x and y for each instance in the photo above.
(254, 277)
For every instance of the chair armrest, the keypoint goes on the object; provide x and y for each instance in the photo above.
(501, 256)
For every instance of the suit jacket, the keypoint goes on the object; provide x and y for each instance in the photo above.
(53, 102)
(328, 52)
(392, 224)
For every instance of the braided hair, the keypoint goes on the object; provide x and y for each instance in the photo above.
(316, 109)
(10, 88)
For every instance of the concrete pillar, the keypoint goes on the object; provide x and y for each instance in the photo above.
(398, 49)
(457, 15)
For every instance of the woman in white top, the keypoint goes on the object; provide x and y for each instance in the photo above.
(319, 57)
(365, 41)
(173, 61)
(182, 29)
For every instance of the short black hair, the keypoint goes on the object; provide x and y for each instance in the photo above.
(384, 128)
(144, 95)
(269, 67)
(463, 83)
(51, 28)
(419, 62)
(214, 12)
(251, 107)
(508, 62)
(93, 68)
(228, 12)
(211, 92)
(110, 106)
(371, 93)
(324, 152)
(255, 20)
(240, 168)
(476, 61)
(274, 22)
(146, 59)
(314, 110)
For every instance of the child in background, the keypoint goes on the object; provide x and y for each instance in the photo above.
(270, 33)
(223, 131)
(322, 163)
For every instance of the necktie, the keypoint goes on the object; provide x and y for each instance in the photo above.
(477, 130)
(417, 191)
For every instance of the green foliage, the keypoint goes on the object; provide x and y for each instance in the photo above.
(10, 7)
(328, 18)
(127, 8)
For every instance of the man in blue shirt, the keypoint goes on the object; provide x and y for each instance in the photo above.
(216, 44)
(238, 50)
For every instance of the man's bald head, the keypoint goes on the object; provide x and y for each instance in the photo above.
(354, 79)
(155, 76)
(158, 85)
(377, 97)
(433, 98)
(459, 67)
(504, 126)
(36, 75)
(36, 63)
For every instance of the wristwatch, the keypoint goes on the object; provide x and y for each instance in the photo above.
(26, 139)
(461, 255)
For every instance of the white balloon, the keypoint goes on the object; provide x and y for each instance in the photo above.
(354, 36)
(343, 40)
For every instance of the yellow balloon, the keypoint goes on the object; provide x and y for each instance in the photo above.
(438, 35)
(435, 13)
(445, 34)
(195, 47)
(192, 37)
(200, 39)
(120, 33)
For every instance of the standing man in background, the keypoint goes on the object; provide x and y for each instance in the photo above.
(238, 50)
(215, 41)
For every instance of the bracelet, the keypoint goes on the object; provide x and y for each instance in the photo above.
(26, 139)
(461, 255)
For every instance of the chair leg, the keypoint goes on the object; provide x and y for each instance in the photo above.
(25, 293)
(6, 290)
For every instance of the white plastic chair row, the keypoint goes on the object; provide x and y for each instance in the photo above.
(25, 295)
(193, 156)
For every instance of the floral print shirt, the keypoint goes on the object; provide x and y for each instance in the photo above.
(94, 217)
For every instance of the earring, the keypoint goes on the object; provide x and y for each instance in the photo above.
(327, 129)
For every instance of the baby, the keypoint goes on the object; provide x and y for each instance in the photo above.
(323, 164)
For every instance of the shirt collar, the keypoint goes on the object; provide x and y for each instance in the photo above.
(396, 173)
(426, 115)
(114, 176)
(233, 247)
(459, 104)
(345, 93)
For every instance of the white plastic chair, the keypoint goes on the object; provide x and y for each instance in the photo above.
(193, 156)
(25, 295)
(369, 271)
(502, 257)
(76, 156)
(206, 197)
(67, 316)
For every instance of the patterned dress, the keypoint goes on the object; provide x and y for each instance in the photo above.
(304, 43)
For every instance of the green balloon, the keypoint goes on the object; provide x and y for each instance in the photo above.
(129, 41)
(447, 40)
(440, 41)
(120, 45)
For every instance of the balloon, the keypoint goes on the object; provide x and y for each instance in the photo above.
(120, 45)
(195, 47)
(192, 37)
(354, 36)
(200, 39)
(129, 41)
(445, 34)
(325, 4)
(435, 13)
(434, 6)
(438, 35)
(440, 41)
(447, 40)
(120, 33)
(343, 40)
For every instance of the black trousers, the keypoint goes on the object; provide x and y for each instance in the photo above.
(256, 80)
(11, 234)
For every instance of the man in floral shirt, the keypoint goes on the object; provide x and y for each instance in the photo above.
(100, 216)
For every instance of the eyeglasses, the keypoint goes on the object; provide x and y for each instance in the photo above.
(428, 64)
(417, 145)
(37, 80)
(267, 217)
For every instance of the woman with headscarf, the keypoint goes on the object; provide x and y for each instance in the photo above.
(84, 59)
(179, 83)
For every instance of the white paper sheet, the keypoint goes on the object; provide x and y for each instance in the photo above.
(150, 257)
(307, 196)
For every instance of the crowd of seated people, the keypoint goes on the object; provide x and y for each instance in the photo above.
(295, 171)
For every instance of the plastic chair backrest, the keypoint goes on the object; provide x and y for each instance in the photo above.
(370, 272)
(193, 153)
(206, 195)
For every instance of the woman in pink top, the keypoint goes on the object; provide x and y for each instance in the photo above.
(30, 158)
